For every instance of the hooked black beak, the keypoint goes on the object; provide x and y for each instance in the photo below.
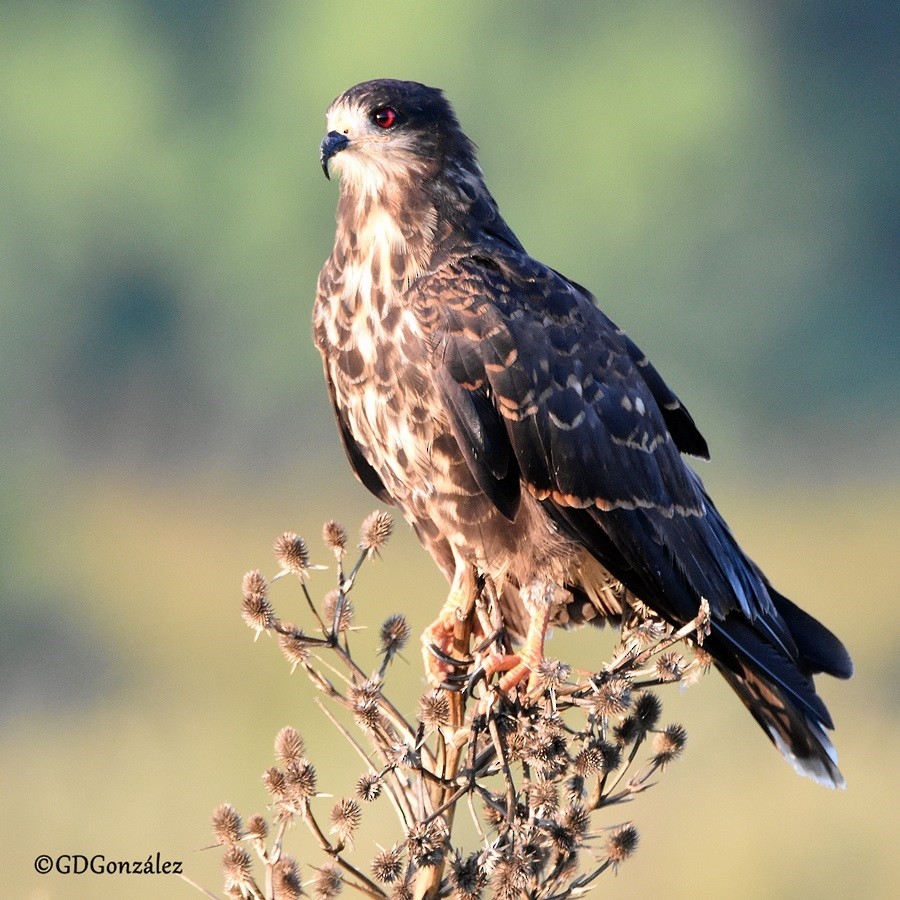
(332, 143)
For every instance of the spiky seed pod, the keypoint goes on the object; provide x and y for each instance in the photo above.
(395, 634)
(669, 744)
(254, 584)
(510, 877)
(257, 828)
(388, 865)
(300, 780)
(578, 819)
(552, 673)
(543, 795)
(612, 697)
(226, 824)
(275, 782)
(370, 689)
(286, 881)
(257, 612)
(434, 709)
(647, 710)
(289, 745)
(236, 865)
(466, 876)
(292, 645)
(329, 882)
(367, 714)
(425, 842)
(627, 731)
(703, 659)
(621, 844)
(368, 787)
(402, 892)
(588, 761)
(375, 531)
(292, 553)
(670, 666)
(405, 755)
(338, 609)
(649, 632)
(345, 818)
(335, 536)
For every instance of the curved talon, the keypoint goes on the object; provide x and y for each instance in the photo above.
(448, 659)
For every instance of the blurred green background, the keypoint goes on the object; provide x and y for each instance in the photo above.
(723, 175)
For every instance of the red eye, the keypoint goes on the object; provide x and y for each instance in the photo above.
(384, 117)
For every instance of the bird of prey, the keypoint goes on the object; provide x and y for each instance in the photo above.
(526, 438)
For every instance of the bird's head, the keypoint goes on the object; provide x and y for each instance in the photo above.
(385, 132)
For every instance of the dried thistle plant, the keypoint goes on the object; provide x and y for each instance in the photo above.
(534, 768)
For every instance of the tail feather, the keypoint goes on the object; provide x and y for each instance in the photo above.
(801, 739)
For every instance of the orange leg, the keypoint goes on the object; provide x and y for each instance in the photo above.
(440, 634)
(539, 599)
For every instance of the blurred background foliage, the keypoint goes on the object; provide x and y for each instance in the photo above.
(723, 175)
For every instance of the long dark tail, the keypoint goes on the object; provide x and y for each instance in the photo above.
(779, 692)
(766, 647)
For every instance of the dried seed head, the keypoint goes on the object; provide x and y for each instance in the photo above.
(226, 824)
(257, 613)
(300, 780)
(329, 882)
(578, 819)
(670, 666)
(621, 844)
(345, 818)
(612, 697)
(669, 744)
(425, 842)
(510, 876)
(292, 554)
(649, 632)
(395, 633)
(376, 529)
(387, 866)
(703, 659)
(292, 645)
(286, 879)
(405, 755)
(628, 731)
(338, 610)
(367, 714)
(543, 795)
(588, 761)
(370, 689)
(236, 865)
(335, 536)
(257, 828)
(289, 746)
(368, 787)
(254, 584)
(647, 710)
(552, 673)
(434, 709)
(275, 782)
(402, 892)
(466, 876)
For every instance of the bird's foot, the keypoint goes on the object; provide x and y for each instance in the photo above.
(540, 599)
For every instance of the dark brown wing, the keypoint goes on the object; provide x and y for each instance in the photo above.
(361, 468)
(536, 379)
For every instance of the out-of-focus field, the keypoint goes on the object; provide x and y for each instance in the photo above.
(182, 713)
